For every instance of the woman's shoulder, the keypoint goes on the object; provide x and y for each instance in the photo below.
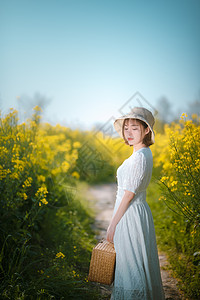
(145, 151)
(143, 154)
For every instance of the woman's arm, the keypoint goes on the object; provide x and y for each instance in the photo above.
(128, 196)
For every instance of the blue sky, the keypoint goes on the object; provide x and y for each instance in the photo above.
(89, 57)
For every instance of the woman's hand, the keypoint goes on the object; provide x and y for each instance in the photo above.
(110, 233)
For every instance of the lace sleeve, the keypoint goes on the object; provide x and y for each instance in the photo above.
(135, 173)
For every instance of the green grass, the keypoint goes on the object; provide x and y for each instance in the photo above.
(36, 270)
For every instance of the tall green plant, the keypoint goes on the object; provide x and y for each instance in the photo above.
(182, 170)
(181, 193)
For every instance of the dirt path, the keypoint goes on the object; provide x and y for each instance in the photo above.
(104, 196)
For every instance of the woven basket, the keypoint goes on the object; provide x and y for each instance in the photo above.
(102, 265)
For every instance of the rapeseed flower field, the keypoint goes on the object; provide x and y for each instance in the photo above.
(46, 234)
(177, 157)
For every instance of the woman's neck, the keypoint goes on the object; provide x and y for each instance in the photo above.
(138, 147)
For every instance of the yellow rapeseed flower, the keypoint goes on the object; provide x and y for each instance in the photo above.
(76, 145)
(41, 178)
(56, 171)
(162, 198)
(37, 108)
(42, 191)
(173, 183)
(14, 175)
(4, 172)
(60, 255)
(44, 201)
(164, 178)
(76, 175)
(65, 166)
(184, 115)
(27, 182)
(24, 196)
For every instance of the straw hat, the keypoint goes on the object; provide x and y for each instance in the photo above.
(139, 113)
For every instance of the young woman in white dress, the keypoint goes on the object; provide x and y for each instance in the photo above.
(137, 272)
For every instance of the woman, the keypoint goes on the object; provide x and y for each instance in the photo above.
(137, 273)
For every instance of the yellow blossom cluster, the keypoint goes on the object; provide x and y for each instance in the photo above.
(27, 182)
(179, 157)
(30, 152)
(60, 255)
(75, 274)
(41, 194)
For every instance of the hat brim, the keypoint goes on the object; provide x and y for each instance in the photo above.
(118, 125)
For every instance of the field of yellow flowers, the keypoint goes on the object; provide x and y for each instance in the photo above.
(177, 214)
(46, 237)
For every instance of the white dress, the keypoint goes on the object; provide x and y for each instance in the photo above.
(137, 273)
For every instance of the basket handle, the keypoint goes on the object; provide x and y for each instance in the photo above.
(103, 240)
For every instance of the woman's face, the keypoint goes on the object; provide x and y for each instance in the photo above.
(134, 132)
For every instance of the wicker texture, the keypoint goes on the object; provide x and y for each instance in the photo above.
(102, 263)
